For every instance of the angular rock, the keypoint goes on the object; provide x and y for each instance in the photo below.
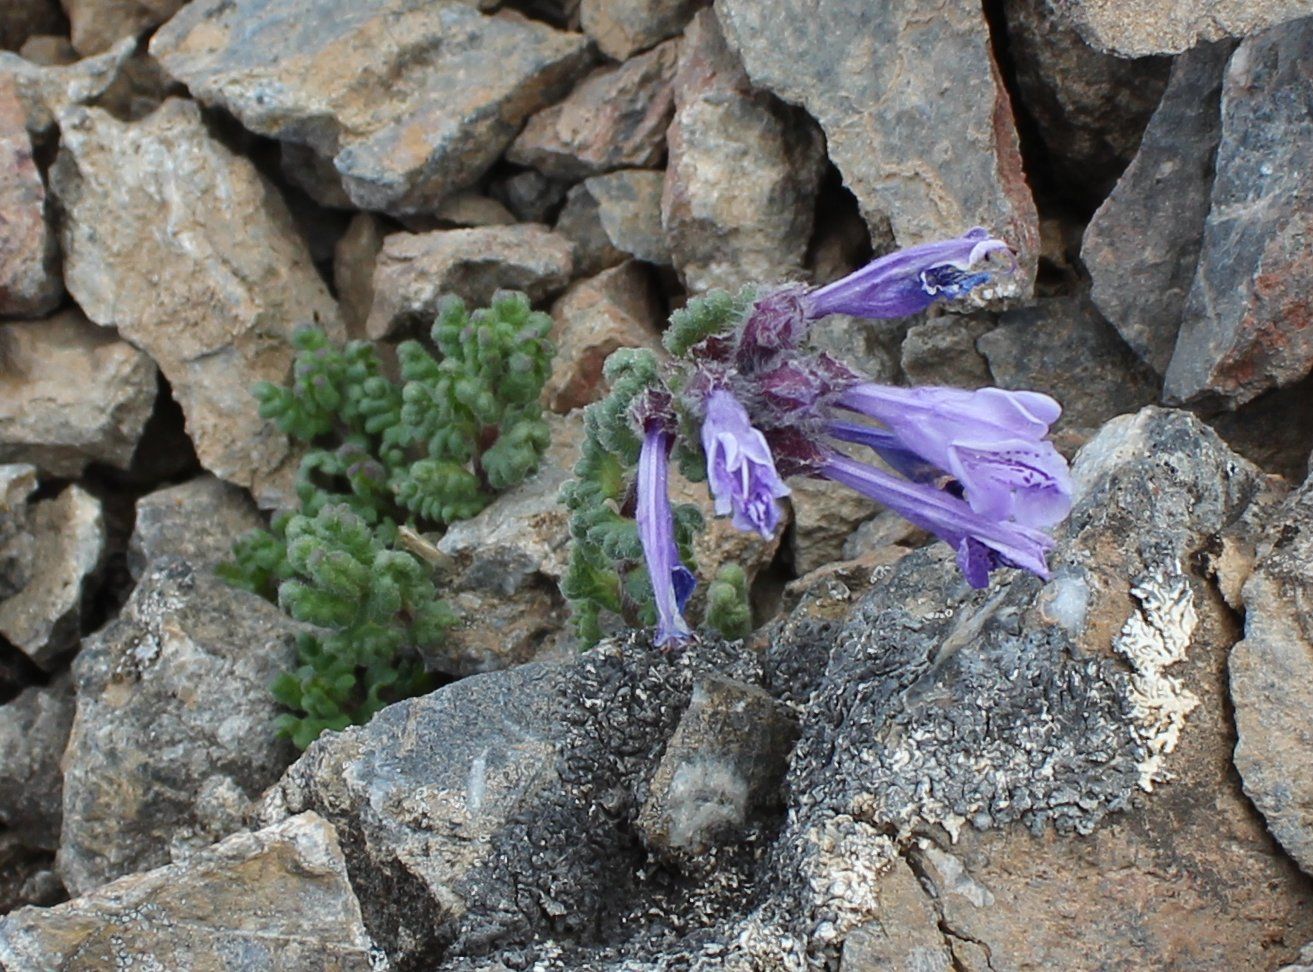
(907, 937)
(49, 50)
(469, 208)
(175, 723)
(1090, 108)
(354, 258)
(620, 28)
(44, 619)
(1272, 679)
(614, 216)
(71, 394)
(278, 898)
(615, 118)
(825, 515)
(313, 174)
(33, 733)
(1142, 246)
(1064, 347)
(98, 25)
(743, 173)
(1139, 27)
(197, 521)
(17, 545)
(529, 196)
(619, 308)
(22, 19)
(46, 91)
(872, 347)
(29, 251)
(358, 82)
(943, 351)
(919, 123)
(1248, 325)
(415, 270)
(215, 300)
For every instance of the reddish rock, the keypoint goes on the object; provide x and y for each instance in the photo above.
(29, 253)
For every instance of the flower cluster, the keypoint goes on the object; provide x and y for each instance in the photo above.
(746, 403)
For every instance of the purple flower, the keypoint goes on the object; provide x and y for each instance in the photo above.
(982, 543)
(740, 469)
(672, 582)
(908, 281)
(991, 441)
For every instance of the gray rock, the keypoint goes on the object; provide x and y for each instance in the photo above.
(529, 196)
(97, 25)
(278, 898)
(415, 270)
(17, 545)
(1271, 674)
(313, 174)
(825, 515)
(1248, 326)
(215, 300)
(44, 619)
(21, 19)
(610, 218)
(1142, 246)
(46, 91)
(615, 118)
(621, 28)
(872, 347)
(743, 172)
(1062, 346)
(71, 394)
(29, 251)
(197, 521)
(918, 123)
(1305, 963)
(943, 351)
(175, 723)
(355, 82)
(33, 733)
(1139, 27)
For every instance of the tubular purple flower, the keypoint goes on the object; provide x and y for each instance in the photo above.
(740, 468)
(982, 544)
(672, 582)
(990, 440)
(908, 281)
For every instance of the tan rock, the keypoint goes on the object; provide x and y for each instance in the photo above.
(623, 27)
(825, 515)
(354, 259)
(48, 90)
(614, 216)
(1132, 28)
(98, 24)
(29, 252)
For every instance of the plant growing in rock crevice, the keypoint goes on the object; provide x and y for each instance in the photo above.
(436, 447)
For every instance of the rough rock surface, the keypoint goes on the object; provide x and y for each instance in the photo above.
(1142, 246)
(33, 732)
(215, 300)
(29, 251)
(71, 394)
(354, 257)
(278, 898)
(943, 351)
(1063, 346)
(68, 534)
(743, 172)
(46, 91)
(98, 24)
(618, 308)
(415, 270)
(1248, 324)
(919, 123)
(355, 82)
(17, 545)
(616, 118)
(621, 28)
(184, 668)
(612, 217)
(906, 937)
(825, 514)
(1272, 679)
(197, 521)
(1139, 27)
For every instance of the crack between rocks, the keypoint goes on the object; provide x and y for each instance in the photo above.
(946, 929)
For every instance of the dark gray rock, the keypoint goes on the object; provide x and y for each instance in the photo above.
(620, 28)
(610, 218)
(943, 351)
(913, 108)
(1142, 246)
(529, 196)
(17, 545)
(356, 81)
(33, 733)
(1248, 324)
(197, 521)
(175, 723)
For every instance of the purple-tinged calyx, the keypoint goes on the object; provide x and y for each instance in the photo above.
(991, 441)
(740, 469)
(672, 582)
(908, 281)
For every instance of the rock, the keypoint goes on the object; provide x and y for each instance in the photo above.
(29, 252)
(71, 394)
(529, 196)
(415, 270)
(1151, 27)
(825, 515)
(354, 259)
(943, 351)
(1272, 679)
(1062, 346)
(1248, 326)
(196, 520)
(313, 174)
(725, 760)
(1305, 961)
(48, 50)
(621, 28)
(469, 208)
(872, 347)
(17, 545)
(615, 118)
(44, 619)
(98, 24)
(1142, 246)
(33, 732)
(175, 723)
(619, 308)
(919, 124)
(906, 937)
(277, 898)
(358, 87)
(1272, 430)
(885, 529)
(215, 300)
(22, 19)
(47, 91)
(1090, 108)
(612, 217)
(743, 173)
